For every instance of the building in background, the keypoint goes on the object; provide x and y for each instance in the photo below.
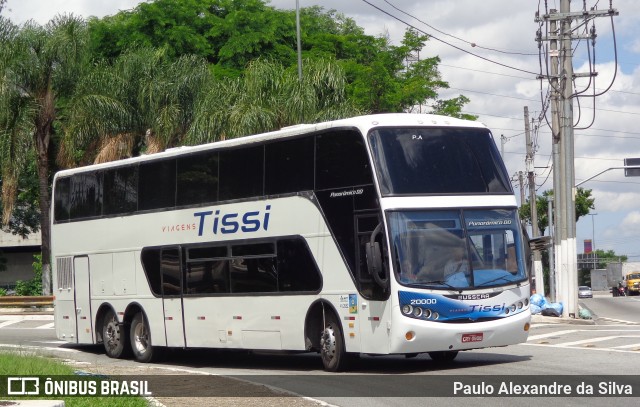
(16, 258)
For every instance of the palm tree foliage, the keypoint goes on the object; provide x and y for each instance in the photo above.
(268, 97)
(141, 102)
(39, 66)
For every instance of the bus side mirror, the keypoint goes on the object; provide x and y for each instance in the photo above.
(374, 259)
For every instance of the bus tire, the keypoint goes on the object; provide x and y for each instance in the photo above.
(443, 356)
(114, 337)
(332, 349)
(140, 336)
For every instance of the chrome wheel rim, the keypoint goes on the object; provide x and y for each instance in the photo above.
(328, 343)
(141, 338)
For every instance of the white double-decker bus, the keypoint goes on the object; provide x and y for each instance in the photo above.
(381, 234)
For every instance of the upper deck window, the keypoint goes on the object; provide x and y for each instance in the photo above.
(437, 161)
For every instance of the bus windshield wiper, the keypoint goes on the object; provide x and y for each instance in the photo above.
(496, 279)
(440, 282)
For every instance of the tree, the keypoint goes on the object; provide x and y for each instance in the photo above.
(230, 34)
(584, 203)
(143, 101)
(605, 257)
(39, 66)
(227, 33)
(268, 97)
(453, 108)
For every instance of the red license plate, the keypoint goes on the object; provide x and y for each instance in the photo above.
(475, 337)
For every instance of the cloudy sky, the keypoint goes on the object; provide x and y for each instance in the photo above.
(500, 80)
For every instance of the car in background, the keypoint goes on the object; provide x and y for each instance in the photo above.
(585, 292)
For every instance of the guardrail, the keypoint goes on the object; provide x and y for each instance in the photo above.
(25, 301)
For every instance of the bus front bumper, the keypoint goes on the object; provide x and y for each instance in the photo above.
(418, 336)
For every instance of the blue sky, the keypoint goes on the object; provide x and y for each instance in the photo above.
(498, 93)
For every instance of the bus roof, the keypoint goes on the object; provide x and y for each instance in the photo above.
(363, 123)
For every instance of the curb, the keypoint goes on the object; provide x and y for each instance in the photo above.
(541, 319)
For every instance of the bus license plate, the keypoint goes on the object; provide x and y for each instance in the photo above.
(475, 337)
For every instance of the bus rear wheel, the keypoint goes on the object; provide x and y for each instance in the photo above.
(443, 356)
(332, 349)
(140, 335)
(114, 336)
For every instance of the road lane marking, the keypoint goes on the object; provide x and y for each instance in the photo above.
(542, 336)
(590, 340)
(7, 323)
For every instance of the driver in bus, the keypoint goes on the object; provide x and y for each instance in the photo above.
(457, 268)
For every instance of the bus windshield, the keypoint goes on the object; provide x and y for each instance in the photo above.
(456, 249)
(415, 161)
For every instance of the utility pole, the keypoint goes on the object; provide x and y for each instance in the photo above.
(533, 206)
(552, 274)
(521, 181)
(564, 170)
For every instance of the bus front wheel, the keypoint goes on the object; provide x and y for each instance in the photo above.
(140, 336)
(332, 350)
(114, 336)
(443, 356)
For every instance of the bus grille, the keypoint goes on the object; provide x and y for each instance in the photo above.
(63, 265)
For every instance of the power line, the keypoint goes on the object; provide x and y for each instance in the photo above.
(447, 43)
(473, 44)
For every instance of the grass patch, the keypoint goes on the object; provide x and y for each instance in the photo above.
(12, 364)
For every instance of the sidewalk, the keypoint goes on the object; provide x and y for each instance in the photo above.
(541, 319)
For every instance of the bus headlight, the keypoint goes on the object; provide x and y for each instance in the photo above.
(513, 308)
(427, 313)
(435, 315)
(407, 309)
(417, 312)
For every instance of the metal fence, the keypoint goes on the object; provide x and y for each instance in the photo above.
(24, 301)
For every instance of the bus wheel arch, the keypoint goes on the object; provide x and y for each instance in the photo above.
(324, 334)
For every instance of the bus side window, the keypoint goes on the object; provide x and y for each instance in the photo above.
(297, 271)
(150, 258)
(171, 272)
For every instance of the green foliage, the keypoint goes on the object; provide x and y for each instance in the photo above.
(25, 218)
(3, 292)
(607, 257)
(231, 34)
(268, 97)
(453, 108)
(584, 202)
(227, 33)
(33, 286)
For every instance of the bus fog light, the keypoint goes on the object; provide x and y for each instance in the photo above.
(409, 335)
(407, 309)
(417, 312)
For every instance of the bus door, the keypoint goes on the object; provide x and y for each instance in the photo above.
(82, 299)
(172, 305)
(373, 312)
